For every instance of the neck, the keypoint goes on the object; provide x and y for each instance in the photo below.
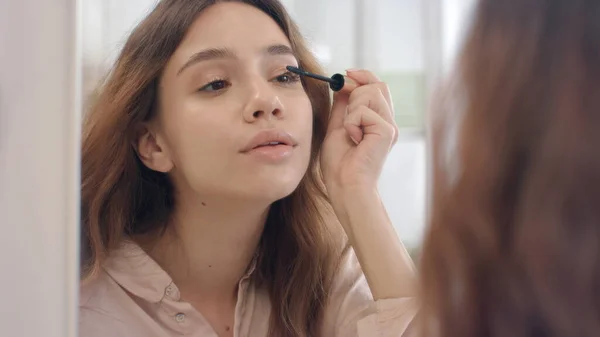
(209, 246)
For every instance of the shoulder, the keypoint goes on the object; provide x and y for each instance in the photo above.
(350, 278)
(350, 297)
(97, 323)
(100, 292)
(98, 308)
(351, 310)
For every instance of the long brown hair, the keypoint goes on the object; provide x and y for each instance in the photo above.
(513, 247)
(300, 249)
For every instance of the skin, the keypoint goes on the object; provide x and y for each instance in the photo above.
(209, 111)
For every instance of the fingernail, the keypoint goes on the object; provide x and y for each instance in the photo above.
(352, 70)
(354, 140)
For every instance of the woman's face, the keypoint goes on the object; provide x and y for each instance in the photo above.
(224, 92)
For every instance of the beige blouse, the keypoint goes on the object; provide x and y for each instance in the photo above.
(134, 297)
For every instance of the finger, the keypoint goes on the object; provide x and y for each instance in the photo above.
(349, 85)
(365, 77)
(338, 110)
(362, 122)
(362, 77)
(372, 97)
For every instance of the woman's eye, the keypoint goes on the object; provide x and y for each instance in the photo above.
(287, 78)
(215, 86)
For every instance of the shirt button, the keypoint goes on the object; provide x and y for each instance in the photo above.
(168, 291)
(180, 317)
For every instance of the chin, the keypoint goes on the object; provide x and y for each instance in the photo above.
(274, 193)
(272, 190)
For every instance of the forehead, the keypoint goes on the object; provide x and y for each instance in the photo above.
(240, 27)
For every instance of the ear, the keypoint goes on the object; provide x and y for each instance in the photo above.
(150, 150)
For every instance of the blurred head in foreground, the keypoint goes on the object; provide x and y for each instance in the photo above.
(513, 247)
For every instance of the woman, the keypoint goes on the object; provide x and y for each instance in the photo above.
(213, 181)
(514, 240)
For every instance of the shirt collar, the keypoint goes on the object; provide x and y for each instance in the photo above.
(139, 274)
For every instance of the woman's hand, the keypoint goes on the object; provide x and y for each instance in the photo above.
(361, 133)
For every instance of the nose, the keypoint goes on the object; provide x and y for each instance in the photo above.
(263, 102)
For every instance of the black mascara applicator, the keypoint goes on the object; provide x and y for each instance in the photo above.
(336, 82)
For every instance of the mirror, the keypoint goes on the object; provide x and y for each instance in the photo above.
(57, 59)
(407, 43)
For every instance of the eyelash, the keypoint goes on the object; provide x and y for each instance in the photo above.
(292, 79)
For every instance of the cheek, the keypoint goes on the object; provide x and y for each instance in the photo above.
(305, 116)
(306, 123)
(192, 136)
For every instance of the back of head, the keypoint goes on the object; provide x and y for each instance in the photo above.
(514, 243)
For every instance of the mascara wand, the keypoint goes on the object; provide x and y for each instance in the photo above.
(336, 82)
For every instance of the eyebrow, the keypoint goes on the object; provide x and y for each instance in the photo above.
(225, 53)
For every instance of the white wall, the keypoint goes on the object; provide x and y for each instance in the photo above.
(393, 31)
(39, 165)
(402, 187)
(328, 27)
(107, 24)
(400, 35)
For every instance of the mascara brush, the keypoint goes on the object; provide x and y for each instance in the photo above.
(336, 82)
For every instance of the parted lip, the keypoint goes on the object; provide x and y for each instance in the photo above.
(270, 137)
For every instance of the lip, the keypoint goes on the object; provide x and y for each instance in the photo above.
(270, 136)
